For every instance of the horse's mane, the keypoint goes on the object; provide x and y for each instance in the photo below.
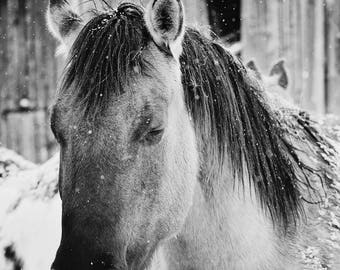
(230, 115)
(108, 50)
(234, 120)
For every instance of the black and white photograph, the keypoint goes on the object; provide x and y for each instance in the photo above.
(169, 134)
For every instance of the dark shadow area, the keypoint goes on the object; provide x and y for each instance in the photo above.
(225, 19)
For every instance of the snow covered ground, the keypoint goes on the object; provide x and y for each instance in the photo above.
(30, 213)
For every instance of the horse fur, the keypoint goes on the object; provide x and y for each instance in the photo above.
(246, 200)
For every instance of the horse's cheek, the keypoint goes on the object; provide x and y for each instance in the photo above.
(180, 179)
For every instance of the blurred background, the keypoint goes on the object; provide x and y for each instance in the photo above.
(306, 33)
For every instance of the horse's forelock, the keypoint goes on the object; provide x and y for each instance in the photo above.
(107, 52)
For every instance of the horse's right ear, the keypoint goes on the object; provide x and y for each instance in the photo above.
(279, 70)
(63, 22)
(252, 66)
(165, 22)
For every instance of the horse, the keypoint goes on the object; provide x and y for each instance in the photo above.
(170, 156)
(276, 83)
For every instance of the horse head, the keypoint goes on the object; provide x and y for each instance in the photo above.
(129, 162)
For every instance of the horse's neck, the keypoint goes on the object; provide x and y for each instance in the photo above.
(228, 231)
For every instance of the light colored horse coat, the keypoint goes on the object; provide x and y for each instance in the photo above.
(170, 158)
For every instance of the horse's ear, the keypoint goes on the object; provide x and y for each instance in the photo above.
(63, 22)
(165, 22)
(252, 66)
(279, 70)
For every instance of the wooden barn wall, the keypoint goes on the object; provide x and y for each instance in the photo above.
(295, 31)
(28, 75)
(333, 56)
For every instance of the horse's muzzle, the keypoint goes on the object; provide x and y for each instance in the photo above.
(74, 261)
(90, 245)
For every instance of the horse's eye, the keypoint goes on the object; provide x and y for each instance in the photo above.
(154, 136)
(56, 134)
(54, 131)
(54, 124)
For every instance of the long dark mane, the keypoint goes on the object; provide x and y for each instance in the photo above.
(231, 118)
(235, 122)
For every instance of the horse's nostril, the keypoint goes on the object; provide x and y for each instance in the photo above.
(100, 265)
(103, 262)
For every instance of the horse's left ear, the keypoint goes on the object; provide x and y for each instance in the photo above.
(63, 21)
(279, 70)
(252, 66)
(165, 22)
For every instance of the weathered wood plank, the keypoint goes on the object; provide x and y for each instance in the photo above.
(28, 134)
(4, 54)
(293, 30)
(28, 73)
(12, 70)
(333, 56)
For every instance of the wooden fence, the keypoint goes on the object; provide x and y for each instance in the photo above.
(28, 75)
(306, 33)
(332, 25)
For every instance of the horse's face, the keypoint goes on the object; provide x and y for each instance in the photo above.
(127, 179)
